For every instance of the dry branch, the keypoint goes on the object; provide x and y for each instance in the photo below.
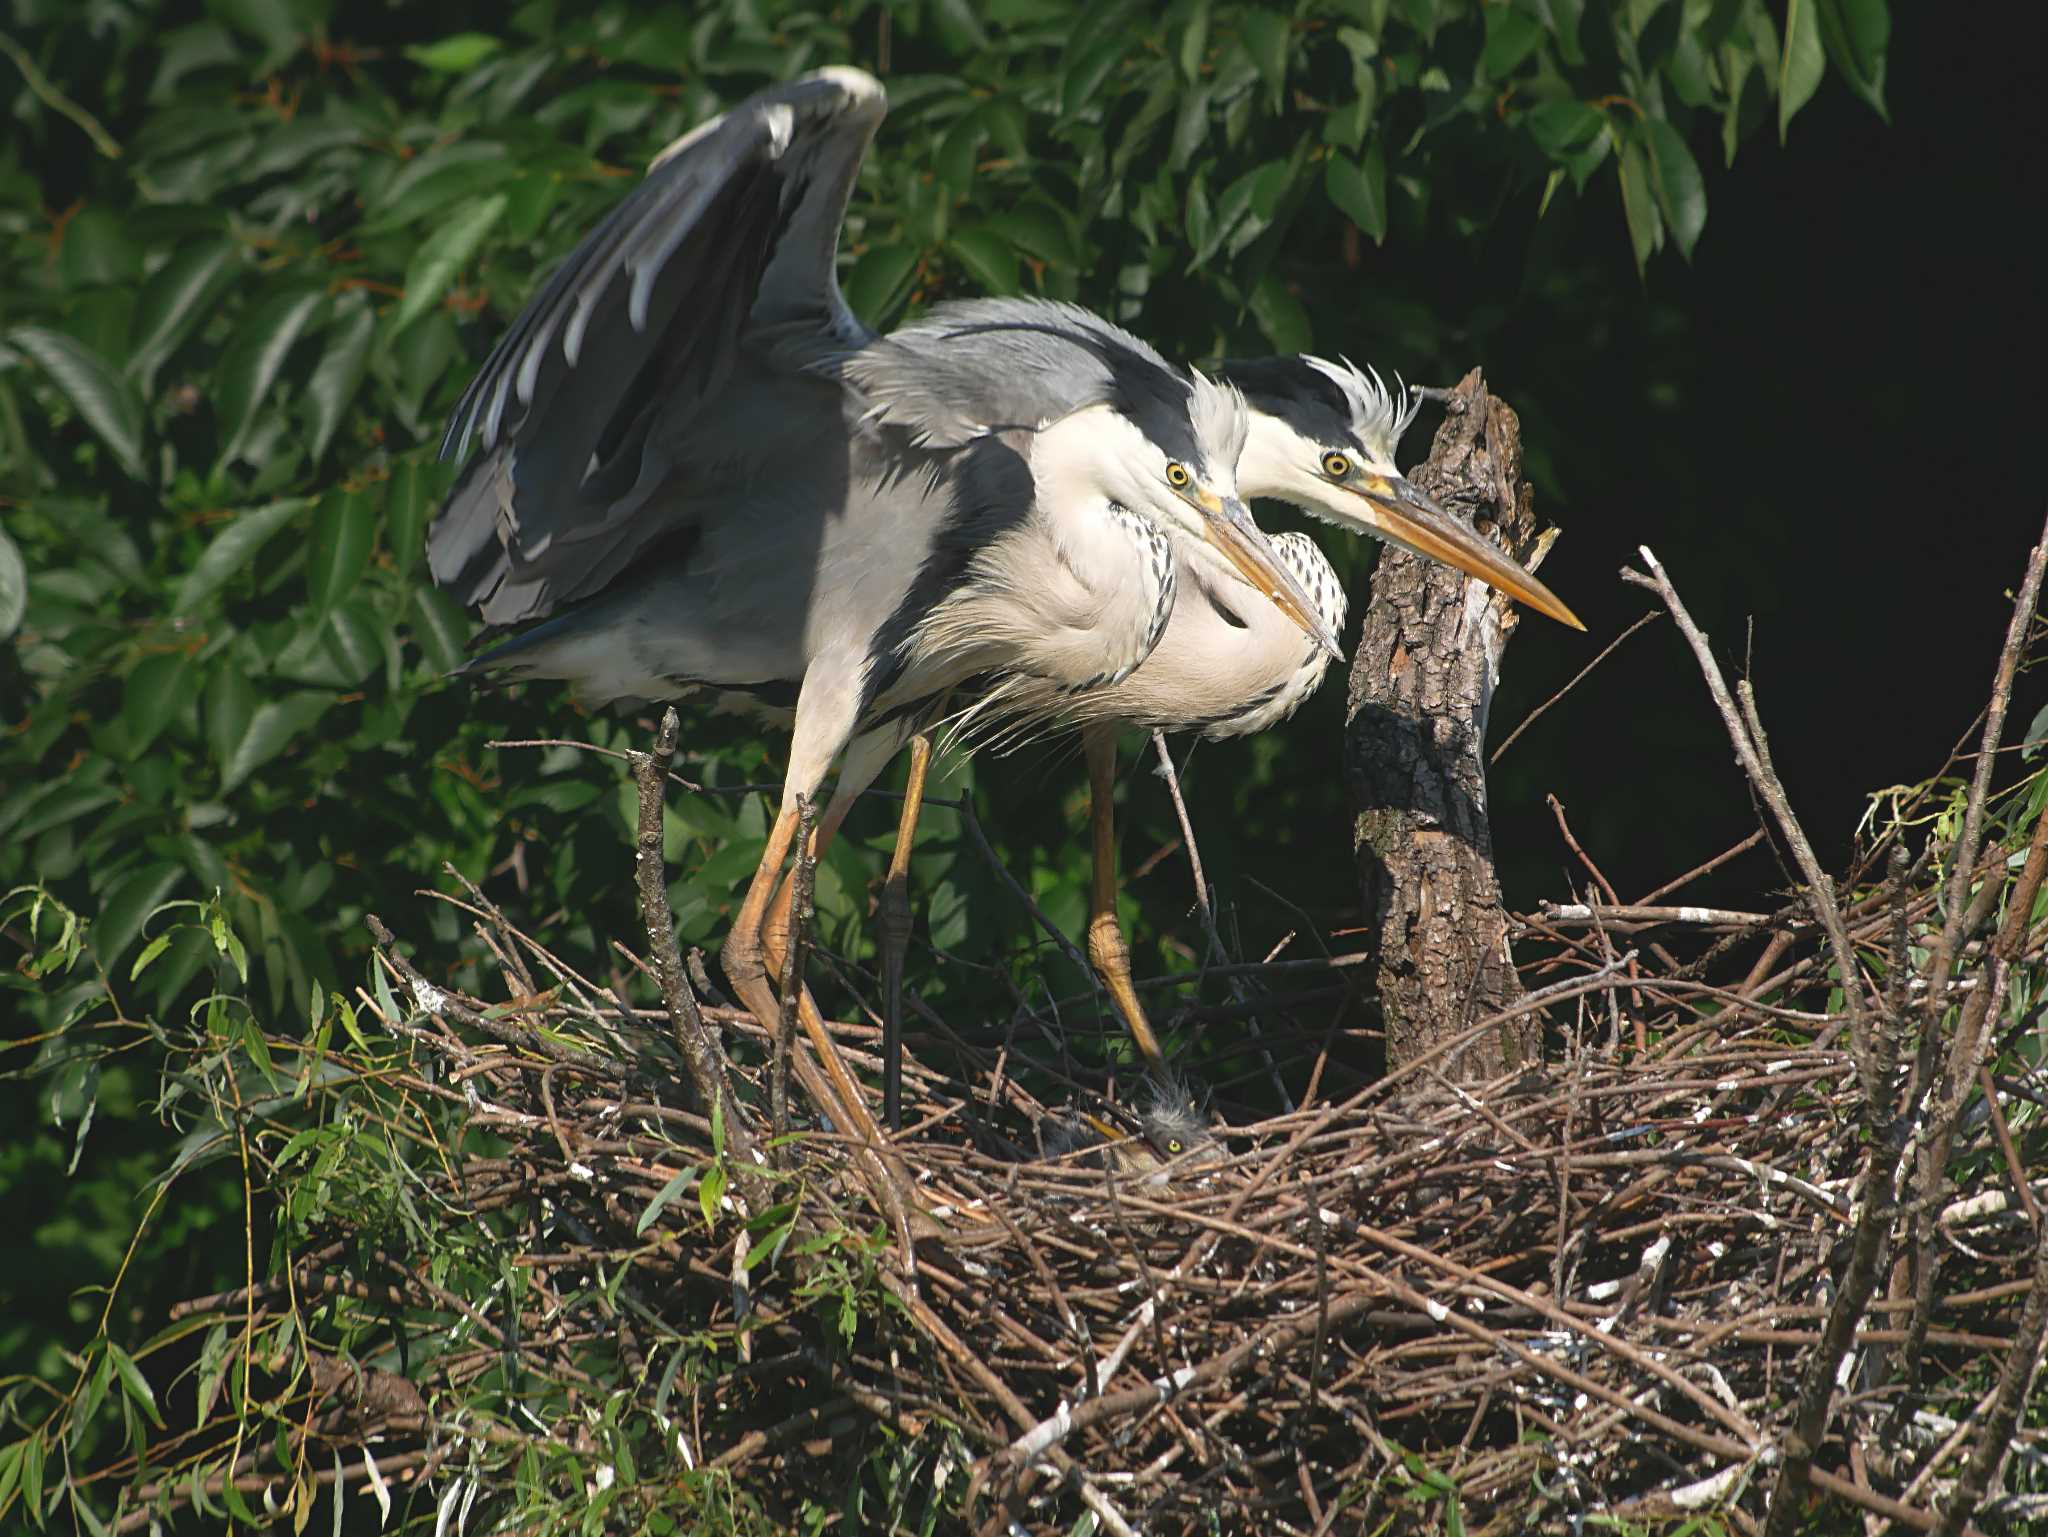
(1422, 684)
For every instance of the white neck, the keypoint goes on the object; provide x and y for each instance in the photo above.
(1270, 464)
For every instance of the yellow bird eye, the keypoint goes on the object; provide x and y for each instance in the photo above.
(1336, 466)
(1177, 476)
(1173, 1144)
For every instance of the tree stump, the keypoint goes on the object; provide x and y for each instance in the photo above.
(1422, 682)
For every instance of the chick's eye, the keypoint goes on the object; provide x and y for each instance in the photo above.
(1173, 1144)
(1336, 466)
(1177, 476)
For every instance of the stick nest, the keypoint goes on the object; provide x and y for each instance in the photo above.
(1588, 1288)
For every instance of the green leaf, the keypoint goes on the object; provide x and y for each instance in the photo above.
(1562, 17)
(1857, 34)
(957, 17)
(264, 338)
(1266, 36)
(2037, 733)
(353, 640)
(151, 952)
(1802, 63)
(675, 1187)
(441, 628)
(230, 702)
(1037, 230)
(135, 1383)
(1191, 127)
(177, 297)
(128, 906)
(340, 371)
(1563, 128)
(416, 487)
(1192, 45)
(1638, 206)
(157, 688)
(958, 151)
(1681, 193)
(13, 586)
(1196, 222)
(1511, 36)
(343, 530)
(1084, 76)
(1359, 189)
(443, 254)
(10, 1461)
(880, 281)
(429, 184)
(456, 54)
(105, 401)
(270, 731)
(987, 257)
(32, 1478)
(280, 25)
(710, 1191)
(1281, 316)
(232, 549)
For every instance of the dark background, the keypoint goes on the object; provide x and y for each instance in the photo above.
(1824, 427)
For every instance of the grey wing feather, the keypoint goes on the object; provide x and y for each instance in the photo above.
(979, 365)
(740, 218)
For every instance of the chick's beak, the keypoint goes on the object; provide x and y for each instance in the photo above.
(1403, 513)
(1227, 525)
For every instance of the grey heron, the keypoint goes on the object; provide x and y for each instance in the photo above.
(1323, 436)
(695, 470)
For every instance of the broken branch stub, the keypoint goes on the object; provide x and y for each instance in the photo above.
(1422, 684)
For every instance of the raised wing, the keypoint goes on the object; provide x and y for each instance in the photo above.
(734, 229)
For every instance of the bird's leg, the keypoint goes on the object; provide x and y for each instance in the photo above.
(895, 932)
(746, 968)
(790, 968)
(1107, 947)
(775, 926)
(742, 952)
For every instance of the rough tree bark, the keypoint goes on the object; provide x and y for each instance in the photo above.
(1422, 682)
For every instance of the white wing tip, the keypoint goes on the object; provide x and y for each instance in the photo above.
(863, 91)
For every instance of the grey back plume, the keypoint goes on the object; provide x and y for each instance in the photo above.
(979, 365)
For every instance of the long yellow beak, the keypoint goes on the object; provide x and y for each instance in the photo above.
(1402, 513)
(1227, 525)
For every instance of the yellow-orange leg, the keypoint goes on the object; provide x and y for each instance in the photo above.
(894, 921)
(745, 969)
(895, 932)
(1107, 947)
(741, 954)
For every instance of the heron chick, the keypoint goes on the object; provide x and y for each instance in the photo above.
(1168, 1135)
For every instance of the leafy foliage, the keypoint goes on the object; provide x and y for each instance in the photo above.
(249, 251)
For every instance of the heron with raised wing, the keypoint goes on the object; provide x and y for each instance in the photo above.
(696, 469)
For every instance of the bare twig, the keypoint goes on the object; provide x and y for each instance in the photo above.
(1637, 912)
(1577, 678)
(702, 1054)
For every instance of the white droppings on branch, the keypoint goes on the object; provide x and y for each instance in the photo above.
(1709, 1490)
